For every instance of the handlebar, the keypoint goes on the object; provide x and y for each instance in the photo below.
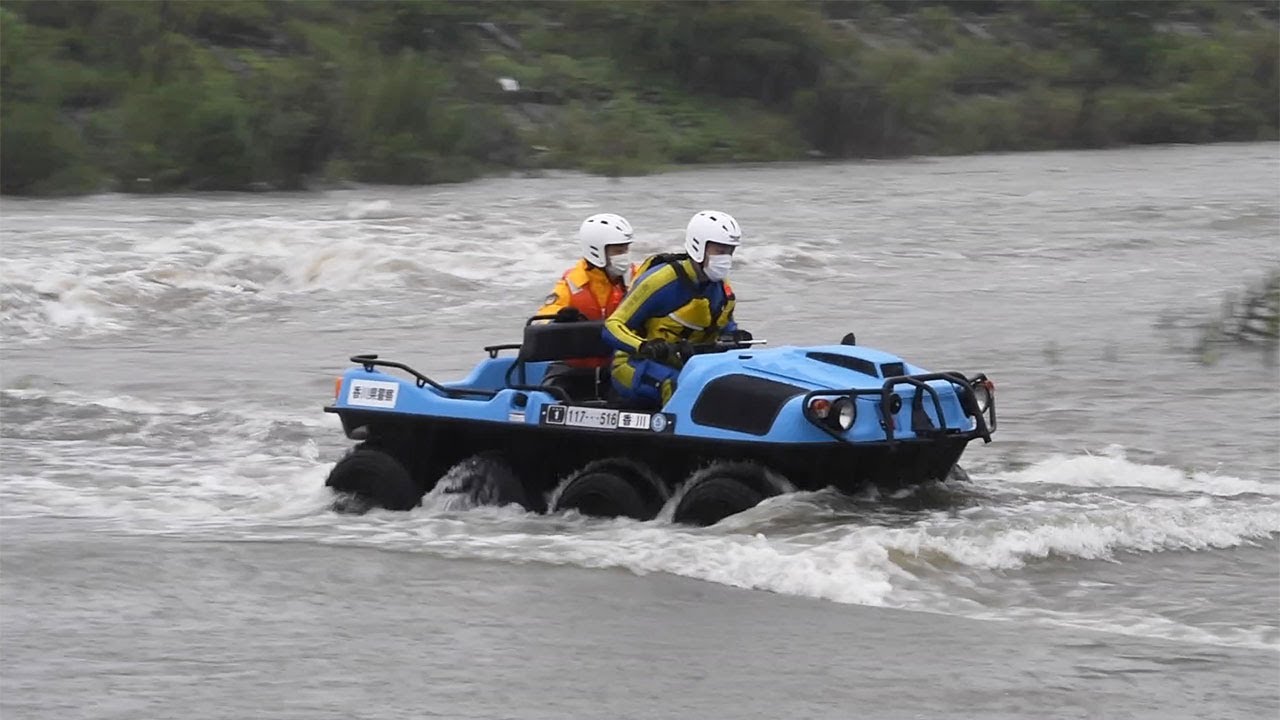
(723, 346)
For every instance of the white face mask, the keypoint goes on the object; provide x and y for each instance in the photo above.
(619, 266)
(718, 266)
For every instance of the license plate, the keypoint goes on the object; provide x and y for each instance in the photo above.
(591, 417)
(604, 419)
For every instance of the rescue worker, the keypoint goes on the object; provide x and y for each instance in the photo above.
(678, 301)
(590, 290)
(596, 284)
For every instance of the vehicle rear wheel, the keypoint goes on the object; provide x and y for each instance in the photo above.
(602, 492)
(368, 478)
(482, 480)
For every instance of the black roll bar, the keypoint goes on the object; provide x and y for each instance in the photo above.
(920, 420)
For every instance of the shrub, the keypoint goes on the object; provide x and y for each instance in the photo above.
(980, 123)
(42, 154)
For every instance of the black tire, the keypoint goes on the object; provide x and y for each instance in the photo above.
(603, 493)
(371, 478)
(486, 480)
(653, 492)
(713, 498)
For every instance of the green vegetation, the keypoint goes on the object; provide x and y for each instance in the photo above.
(1250, 318)
(144, 95)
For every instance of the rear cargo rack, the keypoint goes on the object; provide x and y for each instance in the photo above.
(370, 361)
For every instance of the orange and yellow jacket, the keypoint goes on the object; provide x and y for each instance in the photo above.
(587, 288)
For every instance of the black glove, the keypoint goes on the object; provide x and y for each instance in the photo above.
(736, 337)
(656, 350)
(667, 353)
(684, 350)
(569, 314)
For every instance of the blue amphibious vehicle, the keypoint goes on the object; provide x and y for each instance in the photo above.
(744, 423)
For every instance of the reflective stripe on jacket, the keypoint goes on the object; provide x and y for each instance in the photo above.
(671, 302)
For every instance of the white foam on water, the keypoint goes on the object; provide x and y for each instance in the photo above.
(846, 563)
(152, 490)
(360, 210)
(1132, 623)
(162, 276)
(1113, 470)
(121, 402)
(875, 566)
(240, 459)
(1092, 534)
(853, 575)
(241, 482)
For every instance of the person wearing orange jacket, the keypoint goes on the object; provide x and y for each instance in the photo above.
(595, 285)
(591, 290)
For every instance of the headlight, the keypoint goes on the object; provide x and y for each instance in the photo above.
(984, 393)
(838, 414)
(843, 413)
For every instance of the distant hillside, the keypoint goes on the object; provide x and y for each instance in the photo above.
(256, 94)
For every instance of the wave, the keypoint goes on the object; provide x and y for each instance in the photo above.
(78, 283)
(922, 568)
(363, 209)
(844, 561)
(1112, 469)
(1134, 623)
(229, 268)
(192, 469)
(1062, 506)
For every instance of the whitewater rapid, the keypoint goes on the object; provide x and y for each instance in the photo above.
(166, 361)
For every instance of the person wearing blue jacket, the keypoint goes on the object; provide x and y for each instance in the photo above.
(676, 301)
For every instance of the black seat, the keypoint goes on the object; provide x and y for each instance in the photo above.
(583, 385)
(567, 341)
(564, 341)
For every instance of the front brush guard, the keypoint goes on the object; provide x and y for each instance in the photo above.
(922, 425)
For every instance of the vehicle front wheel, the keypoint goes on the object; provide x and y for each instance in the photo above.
(713, 499)
(725, 489)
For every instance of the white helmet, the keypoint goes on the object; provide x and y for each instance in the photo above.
(600, 231)
(710, 226)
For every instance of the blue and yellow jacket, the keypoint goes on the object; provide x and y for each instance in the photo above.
(673, 301)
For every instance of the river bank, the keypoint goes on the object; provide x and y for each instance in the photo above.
(159, 97)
